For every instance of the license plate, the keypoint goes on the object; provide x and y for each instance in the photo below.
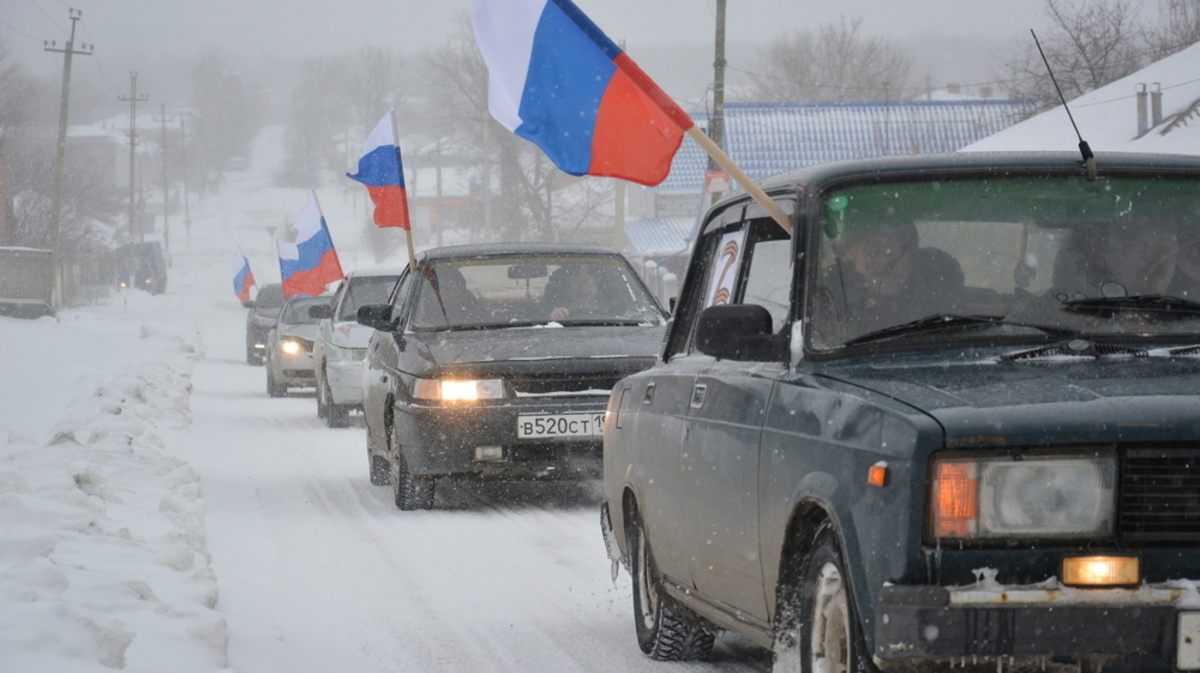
(541, 426)
(1187, 657)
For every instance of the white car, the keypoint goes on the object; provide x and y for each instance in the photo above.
(341, 343)
(289, 347)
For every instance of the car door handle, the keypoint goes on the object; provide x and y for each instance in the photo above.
(698, 395)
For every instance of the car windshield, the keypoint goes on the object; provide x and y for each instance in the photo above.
(295, 312)
(364, 290)
(271, 296)
(1107, 258)
(533, 290)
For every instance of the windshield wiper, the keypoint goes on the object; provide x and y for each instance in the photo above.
(941, 321)
(1155, 303)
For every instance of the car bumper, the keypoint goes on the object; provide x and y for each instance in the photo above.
(1153, 625)
(296, 370)
(484, 441)
(345, 379)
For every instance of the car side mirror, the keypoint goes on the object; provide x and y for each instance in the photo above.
(376, 316)
(249, 303)
(738, 332)
(320, 311)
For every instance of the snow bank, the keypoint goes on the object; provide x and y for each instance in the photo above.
(103, 563)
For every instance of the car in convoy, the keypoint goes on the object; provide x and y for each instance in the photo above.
(263, 312)
(289, 352)
(951, 422)
(496, 362)
(341, 343)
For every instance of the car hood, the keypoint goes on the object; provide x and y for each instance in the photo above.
(349, 334)
(993, 402)
(304, 331)
(626, 348)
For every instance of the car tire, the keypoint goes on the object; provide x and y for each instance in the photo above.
(322, 398)
(665, 631)
(819, 628)
(410, 491)
(274, 389)
(381, 470)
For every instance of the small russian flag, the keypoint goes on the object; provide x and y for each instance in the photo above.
(310, 263)
(243, 277)
(557, 80)
(381, 169)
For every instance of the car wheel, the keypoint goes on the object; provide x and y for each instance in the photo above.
(665, 631)
(381, 470)
(322, 398)
(822, 631)
(411, 491)
(252, 357)
(274, 389)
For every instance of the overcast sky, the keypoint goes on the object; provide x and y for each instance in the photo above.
(952, 40)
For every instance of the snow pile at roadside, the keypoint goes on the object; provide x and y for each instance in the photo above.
(103, 561)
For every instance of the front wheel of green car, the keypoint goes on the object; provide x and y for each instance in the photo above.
(663, 632)
(410, 491)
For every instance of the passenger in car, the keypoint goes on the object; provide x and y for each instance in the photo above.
(886, 279)
(446, 299)
(1123, 259)
(572, 291)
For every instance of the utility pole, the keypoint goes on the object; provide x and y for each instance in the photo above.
(133, 99)
(163, 118)
(717, 126)
(67, 51)
(187, 213)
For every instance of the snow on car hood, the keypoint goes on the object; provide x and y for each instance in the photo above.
(1083, 400)
(534, 344)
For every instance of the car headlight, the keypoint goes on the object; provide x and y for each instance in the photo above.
(291, 347)
(1030, 496)
(458, 391)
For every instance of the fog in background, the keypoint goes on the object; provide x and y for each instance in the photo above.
(951, 41)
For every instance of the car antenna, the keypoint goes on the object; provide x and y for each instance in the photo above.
(1089, 159)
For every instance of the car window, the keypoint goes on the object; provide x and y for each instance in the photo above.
(295, 312)
(1017, 250)
(363, 290)
(270, 296)
(532, 289)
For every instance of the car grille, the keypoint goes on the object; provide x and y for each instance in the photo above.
(551, 384)
(1160, 495)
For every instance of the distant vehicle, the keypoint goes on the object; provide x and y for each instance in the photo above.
(26, 282)
(341, 344)
(264, 310)
(952, 422)
(468, 375)
(289, 361)
(142, 266)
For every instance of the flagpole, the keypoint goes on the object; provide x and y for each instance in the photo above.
(725, 162)
(412, 254)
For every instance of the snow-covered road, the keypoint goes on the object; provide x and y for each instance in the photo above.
(159, 512)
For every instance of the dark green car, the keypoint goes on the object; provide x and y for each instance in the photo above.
(953, 420)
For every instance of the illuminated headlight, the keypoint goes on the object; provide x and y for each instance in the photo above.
(1003, 498)
(453, 391)
(291, 347)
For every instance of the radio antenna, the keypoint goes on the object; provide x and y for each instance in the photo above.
(1089, 159)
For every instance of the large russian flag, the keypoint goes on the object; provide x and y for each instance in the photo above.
(310, 263)
(381, 169)
(243, 277)
(560, 82)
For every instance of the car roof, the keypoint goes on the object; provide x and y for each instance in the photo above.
(377, 271)
(506, 249)
(981, 162)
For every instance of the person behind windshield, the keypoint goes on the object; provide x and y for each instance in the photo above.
(885, 279)
(1141, 257)
(572, 291)
(446, 299)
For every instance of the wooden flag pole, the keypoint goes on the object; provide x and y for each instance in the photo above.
(724, 161)
(412, 255)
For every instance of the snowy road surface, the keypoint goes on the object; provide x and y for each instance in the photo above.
(159, 512)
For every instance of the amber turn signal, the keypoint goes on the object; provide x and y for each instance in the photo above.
(1101, 571)
(877, 476)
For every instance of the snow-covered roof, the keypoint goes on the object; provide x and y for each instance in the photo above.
(660, 235)
(769, 138)
(1108, 117)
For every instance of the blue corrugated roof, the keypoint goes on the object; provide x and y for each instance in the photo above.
(658, 235)
(769, 138)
